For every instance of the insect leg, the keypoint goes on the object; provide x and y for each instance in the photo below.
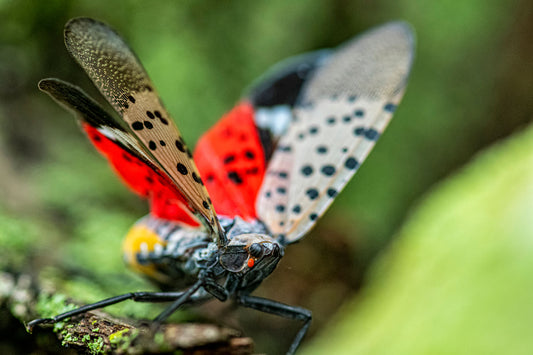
(181, 300)
(216, 290)
(207, 283)
(282, 310)
(135, 296)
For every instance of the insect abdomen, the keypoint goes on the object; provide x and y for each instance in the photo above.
(163, 251)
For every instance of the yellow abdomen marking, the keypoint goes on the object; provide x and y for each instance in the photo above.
(142, 240)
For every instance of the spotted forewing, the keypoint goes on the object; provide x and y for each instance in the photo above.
(341, 112)
(117, 73)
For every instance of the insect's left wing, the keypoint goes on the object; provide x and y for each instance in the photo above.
(342, 111)
(117, 73)
(111, 138)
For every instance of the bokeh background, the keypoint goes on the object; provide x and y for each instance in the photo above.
(402, 226)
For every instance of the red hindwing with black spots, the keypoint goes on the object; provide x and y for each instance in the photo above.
(231, 161)
(165, 201)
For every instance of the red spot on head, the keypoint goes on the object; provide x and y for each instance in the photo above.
(251, 263)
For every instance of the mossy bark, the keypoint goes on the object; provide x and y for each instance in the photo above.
(99, 333)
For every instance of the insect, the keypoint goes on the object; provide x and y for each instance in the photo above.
(260, 178)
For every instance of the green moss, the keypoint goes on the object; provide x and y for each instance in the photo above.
(95, 345)
(122, 339)
(67, 338)
(52, 305)
(118, 336)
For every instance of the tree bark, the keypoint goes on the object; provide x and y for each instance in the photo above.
(96, 332)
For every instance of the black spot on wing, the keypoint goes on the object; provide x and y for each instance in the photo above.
(321, 149)
(249, 154)
(182, 169)
(371, 134)
(328, 170)
(332, 192)
(229, 159)
(307, 170)
(389, 107)
(312, 193)
(351, 163)
(137, 126)
(180, 146)
(197, 179)
(235, 177)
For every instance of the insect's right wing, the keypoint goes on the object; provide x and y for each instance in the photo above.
(275, 93)
(342, 111)
(233, 154)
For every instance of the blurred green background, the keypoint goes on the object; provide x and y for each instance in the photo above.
(63, 213)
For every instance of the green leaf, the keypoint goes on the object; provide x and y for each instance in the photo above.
(458, 279)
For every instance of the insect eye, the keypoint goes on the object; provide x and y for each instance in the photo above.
(255, 250)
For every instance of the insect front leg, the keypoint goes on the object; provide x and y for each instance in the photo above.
(135, 296)
(205, 281)
(282, 310)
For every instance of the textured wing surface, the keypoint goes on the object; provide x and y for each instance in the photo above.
(342, 111)
(126, 156)
(117, 73)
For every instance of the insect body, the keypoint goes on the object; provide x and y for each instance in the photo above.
(260, 178)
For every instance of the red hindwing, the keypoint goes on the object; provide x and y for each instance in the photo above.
(231, 161)
(166, 202)
(229, 157)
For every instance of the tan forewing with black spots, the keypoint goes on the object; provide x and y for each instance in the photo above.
(117, 73)
(342, 111)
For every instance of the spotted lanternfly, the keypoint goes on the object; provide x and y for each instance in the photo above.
(260, 178)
